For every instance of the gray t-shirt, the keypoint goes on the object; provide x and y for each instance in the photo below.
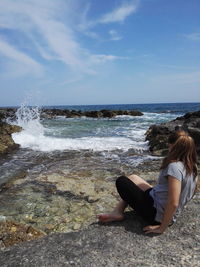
(159, 193)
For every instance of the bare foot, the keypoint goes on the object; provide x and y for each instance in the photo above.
(110, 217)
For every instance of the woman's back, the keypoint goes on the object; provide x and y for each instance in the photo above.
(160, 191)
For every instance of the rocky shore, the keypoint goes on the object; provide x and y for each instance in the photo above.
(6, 142)
(157, 135)
(52, 113)
(115, 244)
(63, 200)
(59, 207)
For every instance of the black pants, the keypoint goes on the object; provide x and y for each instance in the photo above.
(138, 199)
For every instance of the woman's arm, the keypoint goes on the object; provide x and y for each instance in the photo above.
(174, 190)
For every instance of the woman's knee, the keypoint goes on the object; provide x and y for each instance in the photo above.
(122, 182)
(133, 177)
(140, 182)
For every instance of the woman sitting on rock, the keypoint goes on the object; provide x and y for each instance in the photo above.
(161, 204)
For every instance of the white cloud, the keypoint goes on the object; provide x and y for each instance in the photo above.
(114, 36)
(193, 36)
(40, 21)
(102, 58)
(120, 13)
(49, 26)
(20, 60)
(117, 15)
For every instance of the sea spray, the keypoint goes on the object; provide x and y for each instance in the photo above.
(121, 133)
(94, 135)
(29, 119)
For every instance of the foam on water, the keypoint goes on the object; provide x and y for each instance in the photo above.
(33, 136)
(44, 143)
(104, 134)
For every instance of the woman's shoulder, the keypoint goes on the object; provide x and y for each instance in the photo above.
(176, 169)
(176, 164)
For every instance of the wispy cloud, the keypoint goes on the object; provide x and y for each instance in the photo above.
(99, 59)
(178, 78)
(114, 36)
(49, 26)
(193, 36)
(120, 13)
(22, 62)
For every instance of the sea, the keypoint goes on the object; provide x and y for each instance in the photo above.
(53, 143)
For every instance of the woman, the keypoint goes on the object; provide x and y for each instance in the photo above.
(160, 205)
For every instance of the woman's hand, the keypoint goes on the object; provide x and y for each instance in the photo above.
(156, 229)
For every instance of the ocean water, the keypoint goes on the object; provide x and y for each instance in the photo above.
(120, 139)
(101, 134)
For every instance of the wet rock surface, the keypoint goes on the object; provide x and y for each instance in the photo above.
(6, 142)
(115, 244)
(67, 194)
(157, 135)
(13, 233)
(7, 113)
(62, 193)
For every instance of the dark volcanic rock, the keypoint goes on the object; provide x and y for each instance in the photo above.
(6, 142)
(115, 244)
(7, 113)
(52, 113)
(157, 135)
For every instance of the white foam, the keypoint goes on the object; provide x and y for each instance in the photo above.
(45, 143)
(33, 136)
(29, 119)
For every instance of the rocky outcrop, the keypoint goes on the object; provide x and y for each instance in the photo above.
(13, 233)
(67, 198)
(7, 113)
(71, 113)
(50, 113)
(6, 142)
(114, 244)
(157, 135)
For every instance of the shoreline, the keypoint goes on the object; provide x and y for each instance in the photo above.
(59, 202)
(63, 192)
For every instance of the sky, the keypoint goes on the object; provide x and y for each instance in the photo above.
(83, 52)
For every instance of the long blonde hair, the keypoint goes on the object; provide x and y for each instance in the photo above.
(182, 149)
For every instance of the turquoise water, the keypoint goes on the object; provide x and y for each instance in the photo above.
(119, 141)
(95, 134)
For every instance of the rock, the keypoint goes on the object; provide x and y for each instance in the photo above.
(114, 244)
(2, 218)
(7, 113)
(47, 113)
(93, 114)
(6, 142)
(108, 113)
(12, 233)
(112, 113)
(157, 135)
(52, 113)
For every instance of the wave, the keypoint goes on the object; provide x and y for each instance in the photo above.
(47, 144)
(33, 136)
(120, 133)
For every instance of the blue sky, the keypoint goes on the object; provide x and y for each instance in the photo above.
(66, 52)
